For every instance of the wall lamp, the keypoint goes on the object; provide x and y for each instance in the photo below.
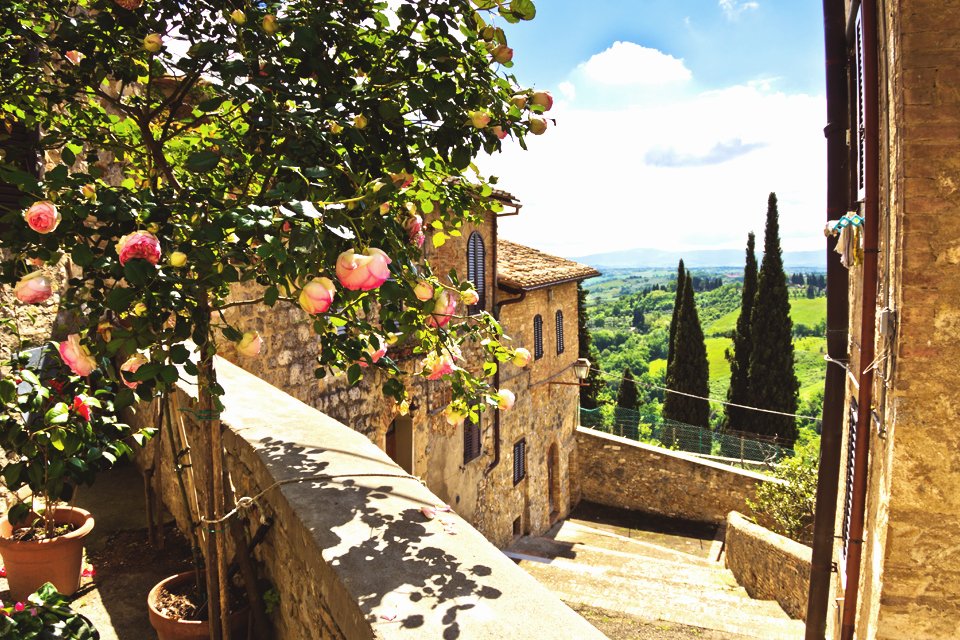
(581, 368)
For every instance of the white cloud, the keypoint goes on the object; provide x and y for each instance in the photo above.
(628, 63)
(568, 90)
(733, 8)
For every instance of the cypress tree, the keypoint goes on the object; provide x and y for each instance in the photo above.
(677, 299)
(628, 404)
(689, 372)
(738, 392)
(589, 394)
(772, 381)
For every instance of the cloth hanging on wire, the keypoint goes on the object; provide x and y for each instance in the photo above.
(849, 229)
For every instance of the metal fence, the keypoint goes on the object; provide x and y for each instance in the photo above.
(653, 429)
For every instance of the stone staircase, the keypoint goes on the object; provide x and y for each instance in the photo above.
(652, 576)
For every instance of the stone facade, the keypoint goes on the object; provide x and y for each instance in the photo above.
(624, 473)
(769, 566)
(910, 577)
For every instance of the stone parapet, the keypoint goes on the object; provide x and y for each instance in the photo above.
(768, 565)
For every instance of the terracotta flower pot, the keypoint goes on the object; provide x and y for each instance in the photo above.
(59, 560)
(171, 629)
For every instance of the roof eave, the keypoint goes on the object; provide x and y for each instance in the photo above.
(516, 288)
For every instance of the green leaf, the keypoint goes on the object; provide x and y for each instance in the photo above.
(460, 158)
(139, 272)
(169, 374)
(523, 9)
(82, 255)
(270, 296)
(58, 414)
(8, 391)
(354, 373)
(120, 299)
(202, 161)
(56, 439)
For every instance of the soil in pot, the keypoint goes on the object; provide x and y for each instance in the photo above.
(175, 601)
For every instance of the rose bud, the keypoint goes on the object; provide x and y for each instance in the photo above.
(153, 42)
(499, 132)
(105, 329)
(537, 125)
(542, 99)
(33, 288)
(443, 307)
(374, 353)
(360, 121)
(423, 291)
(364, 272)
(317, 296)
(505, 399)
(502, 54)
(74, 56)
(435, 366)
(238, 17)
(385, 208)
(479, 119)
(89, 191)
(76, 356)
(454, 415)
(250, 344)
(521, 357)
(469, 297)
(139, 244)
(177, 259)
(519, 101)
(130, 366)
(42, 216)
(414, 227)
(270, 24)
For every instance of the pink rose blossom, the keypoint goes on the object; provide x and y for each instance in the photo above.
(74, 56)
(521, 357)
(542, 99)
(479, 119)
(506, 399)
(435, 365)
(414, 228)
(33, 288)
(443, 307)
(364, 272)
(374, 353)
(499, 132)
(317, 295)
(81, 407)
(502, 54)
(42, 216)
(130, 366)
(19, 607)
(423, 291)
(250, 344)
(76, 356)
(139, 244)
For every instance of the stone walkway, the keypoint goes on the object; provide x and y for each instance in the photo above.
(637, 577)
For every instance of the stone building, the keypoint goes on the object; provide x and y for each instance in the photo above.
(900, 465)
(511, 473)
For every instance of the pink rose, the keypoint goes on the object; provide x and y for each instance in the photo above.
(454, 415)
(502, 54)
(317, 296)
(542, 99)
(375, 354)
(363, 272)
(443, 307)
(506, 399)
(42, 216)
(414, 228)
(423, 291)
(250, 344)
(435, 365)
(499, 132)
(521, 357)
(130, 366)
(537, 125)
(76, 356)
(139, 244)
(74, 56)
(33, 288)
(519, 101)
(479, 119)
(81, 407)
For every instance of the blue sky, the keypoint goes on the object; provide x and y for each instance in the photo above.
(667, 111)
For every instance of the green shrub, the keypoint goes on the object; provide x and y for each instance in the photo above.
(788, 508)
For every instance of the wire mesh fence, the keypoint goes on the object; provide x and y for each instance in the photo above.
(654, 429)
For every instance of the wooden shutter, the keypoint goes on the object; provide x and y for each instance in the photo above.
(852, 429)
(860, 112)
(537, 337)
(559, 332)
(519, 461)
(476, 270)
(471, 441)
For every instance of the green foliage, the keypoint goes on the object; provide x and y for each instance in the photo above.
(739, 358)
(46, 615)
(788, 509)
(682, 278)
(688, 372)
(589, 394)
(772, 381)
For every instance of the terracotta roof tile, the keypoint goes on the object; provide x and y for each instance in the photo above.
(522, 267)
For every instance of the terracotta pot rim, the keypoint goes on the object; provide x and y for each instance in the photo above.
(80, 532)
(179, 577)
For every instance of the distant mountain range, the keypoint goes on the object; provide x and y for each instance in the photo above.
(657, 259)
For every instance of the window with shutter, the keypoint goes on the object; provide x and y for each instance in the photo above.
(471, 441)
(559, 332)
(476, 270)
(537, 337)
(519, 461)
(861, 130)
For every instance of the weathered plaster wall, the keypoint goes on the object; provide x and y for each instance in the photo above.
(769, 566)
(624, 473)
(352, 556)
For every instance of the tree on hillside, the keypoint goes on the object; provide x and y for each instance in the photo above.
(639, 321)
(689, 371)
(589, 393)
(739, 358)
(681, 280)
(772, 381)
(628, 402)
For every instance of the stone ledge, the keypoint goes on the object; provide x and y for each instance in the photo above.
(353, 557)
(769, 566)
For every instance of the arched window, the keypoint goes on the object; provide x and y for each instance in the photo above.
(559, 332)
(476, 269)
(537, 337)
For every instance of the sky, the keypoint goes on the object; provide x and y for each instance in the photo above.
(674, 121)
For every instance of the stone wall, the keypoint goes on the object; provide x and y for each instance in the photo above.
(624, 473)
(768, 565)
(36, 323)
(350, 552)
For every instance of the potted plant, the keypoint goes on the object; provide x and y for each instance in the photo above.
(58, 430)
(45, 615)
(328, 142)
